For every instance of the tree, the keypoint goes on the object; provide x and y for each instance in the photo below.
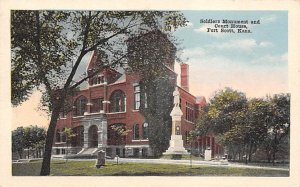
(68, 133)
(157, 114)
(226, 109)
(203, 126)
(224, 117)
(38, 137)
(157, 84)
(120, 133)
(278, 124)
(256, 125)
(246, 125)
(48, 47)
(32, 137)
(18, 141)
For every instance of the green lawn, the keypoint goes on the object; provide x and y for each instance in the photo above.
(87, 168)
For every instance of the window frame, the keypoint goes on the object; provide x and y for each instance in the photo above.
(145, 128)
(136, 133)
(117, 102)
(99, 102)
(137, 93)
(80, 106)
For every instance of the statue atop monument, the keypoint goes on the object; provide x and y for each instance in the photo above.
(176, 97)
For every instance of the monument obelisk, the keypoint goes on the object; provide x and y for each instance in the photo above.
(176, 142)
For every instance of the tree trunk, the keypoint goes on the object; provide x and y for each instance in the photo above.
(250, 152)
(45, 170)
(20, 154)
(273, 157)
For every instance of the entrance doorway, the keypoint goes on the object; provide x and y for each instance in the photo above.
(93, 136)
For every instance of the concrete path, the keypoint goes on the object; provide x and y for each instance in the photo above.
(196, 163)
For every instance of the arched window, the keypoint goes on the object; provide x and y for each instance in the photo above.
(136, 133)
(80, 106)
(117, 101)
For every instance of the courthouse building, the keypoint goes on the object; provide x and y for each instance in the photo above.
(113, 98)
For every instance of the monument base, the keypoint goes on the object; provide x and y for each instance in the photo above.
(176, 146)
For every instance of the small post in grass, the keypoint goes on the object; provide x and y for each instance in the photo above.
(100, 159)
(191, 164)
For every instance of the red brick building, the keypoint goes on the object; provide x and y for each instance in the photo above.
(113, 99)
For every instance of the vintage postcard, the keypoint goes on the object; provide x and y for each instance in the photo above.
(158, 94)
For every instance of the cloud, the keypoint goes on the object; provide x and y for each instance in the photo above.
(241, 44)
(271, 59)
(244, 44)
(265, 44)
(189, 24)
(196, 52)
(268, 19)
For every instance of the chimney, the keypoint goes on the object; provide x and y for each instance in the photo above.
(184, 76)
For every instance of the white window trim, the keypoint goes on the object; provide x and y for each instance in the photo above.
(135, 92)
(140, 140)
(116, 112)
(77, 116)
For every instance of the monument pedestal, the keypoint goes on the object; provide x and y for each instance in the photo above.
(207, 155)
(176, 146)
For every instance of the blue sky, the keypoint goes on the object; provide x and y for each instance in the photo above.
(255, 63)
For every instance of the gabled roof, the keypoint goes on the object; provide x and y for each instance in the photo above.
(200, 100)
(93, 63)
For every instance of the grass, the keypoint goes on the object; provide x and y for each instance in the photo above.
(87, 168)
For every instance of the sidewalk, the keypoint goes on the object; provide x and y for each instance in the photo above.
(196, 163)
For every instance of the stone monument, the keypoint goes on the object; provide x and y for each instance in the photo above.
(176, 142)
(100, 159)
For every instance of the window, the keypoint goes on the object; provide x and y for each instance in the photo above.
(57, 135)
(63, 135)
(80, 106)
(136, 134)
(189, 112)
(187, 137)
(62, 114)
(117, 101)
(146, 100)
(180, 103)
(97, 105)
(137, 97)
(98, 80)
(140, 97)
(145, 97)
(145, 130)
